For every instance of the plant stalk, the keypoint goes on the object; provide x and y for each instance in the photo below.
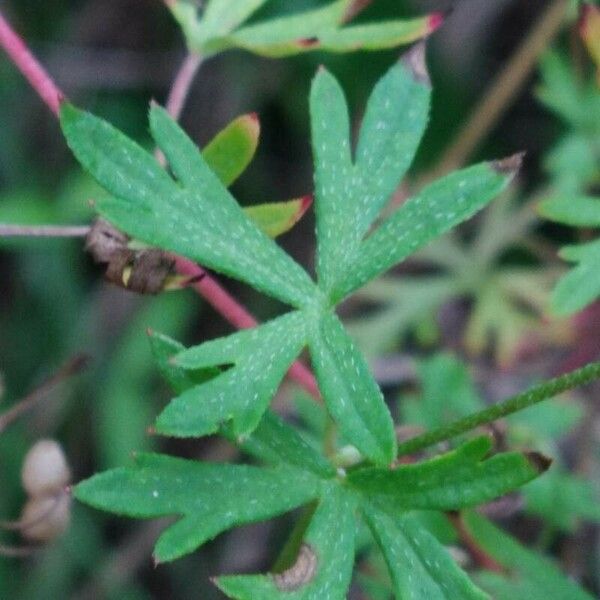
(536, 394)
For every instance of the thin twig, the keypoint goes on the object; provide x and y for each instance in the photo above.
(31, 69)
(234, 312)
(502, 90)
(8, 230)
(536, 394)
(17, 551)
(182, 84)
(479, 555)
(72, 366)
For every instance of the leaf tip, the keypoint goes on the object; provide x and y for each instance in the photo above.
(538, 461)
(414, 61)
(436, 19)
(305, 204)
(508, 166)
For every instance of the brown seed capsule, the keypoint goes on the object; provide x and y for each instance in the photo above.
(45, 469)
(46, 517)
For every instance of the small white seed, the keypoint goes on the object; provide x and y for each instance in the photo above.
(45, 469)
(46, 517)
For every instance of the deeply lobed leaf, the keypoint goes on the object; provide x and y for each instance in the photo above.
(351, 394)
(454, 480)
(200, 220)
(324, 566)
(210, 498)
(260, 357)
(420, 567)
(436, 209)
(220, 27)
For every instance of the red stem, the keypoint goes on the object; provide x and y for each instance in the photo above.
(231, 310)
(31, 69)
(208, 287)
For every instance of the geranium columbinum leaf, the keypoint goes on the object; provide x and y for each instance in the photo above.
(324, 565)
(200, 220)
(420, 567)
(209, 498)
(257, 359)
(460, 478)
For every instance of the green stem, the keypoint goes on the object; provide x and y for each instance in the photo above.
(536, 394)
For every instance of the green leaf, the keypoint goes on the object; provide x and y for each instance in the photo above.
(349, 197)
(420, 567)
(439, 207)
(563, 499)
(210, 498)
(580, 286)
(232, 149)
(200, 220)
(530, 575)
(163, 349)
(460, 478)
(351, 394)
(260, 357)
(276, 442)
(583, 211)
(275, 218)
(447, 393)
(333, 174)
(220, 28)
(223, 16)
(324, 567)
(273, 441)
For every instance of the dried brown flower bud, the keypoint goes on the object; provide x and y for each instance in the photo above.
(145, 271)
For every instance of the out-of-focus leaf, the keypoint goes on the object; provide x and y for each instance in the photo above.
(457, 479)
(447, 393)
(324, 566)
(581, 285)
(582, 211)
(210, 498)
(562, 499)
(232, 149)
(420, 567)
(530, 575)
(275, 218)
(322, 28)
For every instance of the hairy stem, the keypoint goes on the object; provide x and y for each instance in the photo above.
(72, 366)
(182, 84)
(536, 394)
(31, 69)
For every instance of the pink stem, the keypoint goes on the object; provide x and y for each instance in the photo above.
(31, 69)
(231, 310)
(182, 84)
(208, 287)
